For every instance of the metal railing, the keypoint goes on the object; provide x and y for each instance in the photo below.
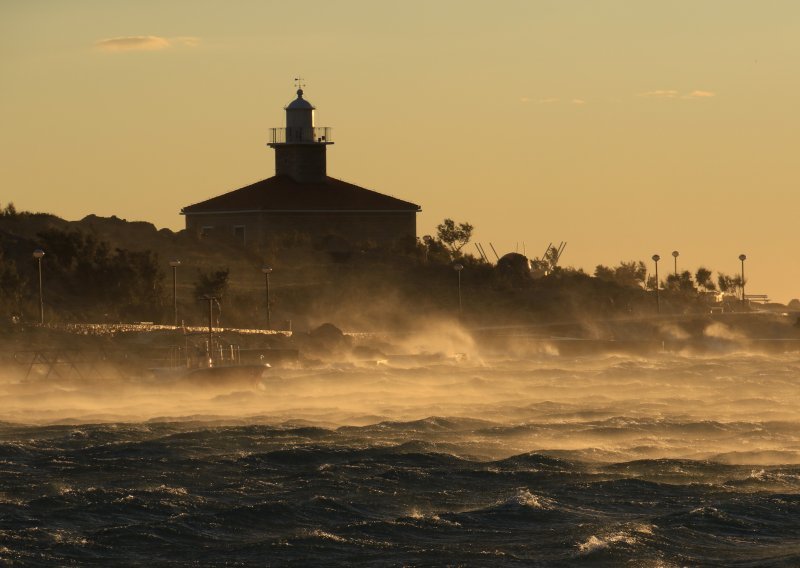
(290, 135)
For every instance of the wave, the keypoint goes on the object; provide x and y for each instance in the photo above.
(625, 539)
(521, 506)
(533, 461)
(424, 425)
(761, 457)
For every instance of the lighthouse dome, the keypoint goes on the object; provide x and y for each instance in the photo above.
(300, 103)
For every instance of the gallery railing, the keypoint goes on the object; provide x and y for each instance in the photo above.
(289, 135)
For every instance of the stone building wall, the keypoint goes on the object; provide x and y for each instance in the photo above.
(257, 227)
(303, 163)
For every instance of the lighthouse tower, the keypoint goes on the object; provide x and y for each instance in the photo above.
(300, 147)
(301, 198)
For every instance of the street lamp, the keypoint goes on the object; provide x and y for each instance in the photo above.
(267, 270)
(210, 346)
(675, 255)
(656, 258)
(458, 268)
(175, 264)
(743, 257)
(38, 254)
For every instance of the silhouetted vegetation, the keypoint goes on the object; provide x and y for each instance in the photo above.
(632, 273)
(9, 210)
(105, 269)
(86, 278)
(447, 244)
(453, 236)
(213, 283)
(11, 287)
(703, 279)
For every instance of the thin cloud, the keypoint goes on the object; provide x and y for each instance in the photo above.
(660, 94)
(700, 95)
(527, 100)
(133, 43)
(674, 94)
(578, 102)
(188, 41)
(144, 43)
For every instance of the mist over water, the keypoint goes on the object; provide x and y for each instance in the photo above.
(625, 407)
(444, 453)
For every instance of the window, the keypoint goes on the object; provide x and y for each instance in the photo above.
(238, 233)
(206, 231)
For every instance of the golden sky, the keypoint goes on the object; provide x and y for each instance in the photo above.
(625, 128)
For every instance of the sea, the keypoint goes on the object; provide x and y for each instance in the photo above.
(429, 458)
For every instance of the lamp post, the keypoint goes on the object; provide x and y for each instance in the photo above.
(743, 257)
(210, 344)
(675, 255)
(267, 270)
(656, 258)
(38, 254)
(458, 268)
(175, 263)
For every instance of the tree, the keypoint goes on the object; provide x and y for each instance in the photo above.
(631, 273)
(214, 283)
(604, 272)
(738, 283)
(433, 250)
(680, 282)
(433, 245)
(551, 257)
(11, 285)
(455, 237)
(725, 283)
(729, 284)
(703, 279)
(139, 283)
(121, 283)
(9, 211)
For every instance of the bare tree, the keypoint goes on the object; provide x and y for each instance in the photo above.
(454, 236)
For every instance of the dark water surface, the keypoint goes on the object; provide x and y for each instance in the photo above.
(667, 461)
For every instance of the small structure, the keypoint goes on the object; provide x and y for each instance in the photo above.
(514, 262)
(301, 198)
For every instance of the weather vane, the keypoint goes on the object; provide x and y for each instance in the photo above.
(299, 83)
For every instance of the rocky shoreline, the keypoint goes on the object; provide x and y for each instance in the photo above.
(764, 332)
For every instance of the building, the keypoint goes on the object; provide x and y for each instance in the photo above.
(302, 198)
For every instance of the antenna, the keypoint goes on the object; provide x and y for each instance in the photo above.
(561, 248)
(494, 251)
(483, 253)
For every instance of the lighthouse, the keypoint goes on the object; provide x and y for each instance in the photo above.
(300, 147)
(302, 199)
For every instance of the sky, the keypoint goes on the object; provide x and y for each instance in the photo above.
(626, 128)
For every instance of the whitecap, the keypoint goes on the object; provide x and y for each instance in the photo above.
(326, 536)
(432, 518)
(524, 498)
(596, 543)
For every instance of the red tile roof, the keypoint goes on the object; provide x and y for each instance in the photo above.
(282, 193)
